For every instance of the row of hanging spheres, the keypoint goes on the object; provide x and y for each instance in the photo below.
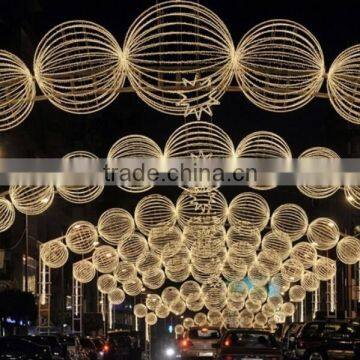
(179, 58)
(163, 241)
(193, 140)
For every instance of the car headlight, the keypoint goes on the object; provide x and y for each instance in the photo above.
(170, 352)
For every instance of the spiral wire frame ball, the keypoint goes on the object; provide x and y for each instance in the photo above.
(115, 225)
(277, 241)
(280, 283)
(116, 297)
(292, 270)
(79, 194)
(124, 271)
(162, 311)
(31, 200)
(133, 286)
(342, 84)
(178, 307)
(169, 295)
(319, 191)
(79, 67)
(7, 214)
(84, 271)
(249, 211)
(237, 290)
(152, 301)
(190, 288)
(106, 283)
(154, 211)
(132, 248)
(150, 319)
(233, 274)
(54, 254)
(134, 147)
(309, 281)
(241, 254)
(188, 323)
(160, 237)
(324, 268)
(194, 303)
(153, 278)
(258, 293)
(237, 234)
(305, 253)
(323, 233)
(140, 311)
(200, 319)
(258, 274)
(81, 237)
(182, 65)
(263, 145)
(352, 195)
(105, 259)
(202, 208)
(348, 250)
(297, 293)
(179, 329)
(290, 219)
(17, 90)
(281, 65)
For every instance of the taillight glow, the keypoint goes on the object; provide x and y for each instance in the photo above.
(227, 342)
(106, 348)
(186, 343)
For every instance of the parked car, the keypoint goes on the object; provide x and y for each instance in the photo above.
(17, 348)
(289, 339)
(248, 344)
(329, 339)
(57, 351)
(89, 349)
(99, 345)
(198, 342)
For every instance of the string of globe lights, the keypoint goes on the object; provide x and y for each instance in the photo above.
(193, 140)
(223, 257)
(179, 58)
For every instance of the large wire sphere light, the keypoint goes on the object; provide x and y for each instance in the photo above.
(17, 91)
(78, 65)
(7, 214)
(280, 65)
(179, 57)
(54, 254)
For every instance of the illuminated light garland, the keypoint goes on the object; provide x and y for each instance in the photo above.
(105, 259)
(280, 65)
(202, 208)
(115, 225)
(352, 195)
(17, 91)
(249, 211)
(263, 145)
(342, 84)
(152, 301)
(154, 211)
(106, 283)
(54, 254)
(84, 271)
(324, 268)
(31, 200)
(79, 194)
(7, 214)
(132, 248)
(140, 311)
(79, 67)
(132, 147)
(153, 278)
(348, 250)
(81, 237)
(318, 191)
(292, 270)
(323, 233)
(290, 219)
(116, 297)
(183, 65)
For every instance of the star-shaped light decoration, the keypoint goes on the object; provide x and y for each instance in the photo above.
(205, 207)
(198, 84)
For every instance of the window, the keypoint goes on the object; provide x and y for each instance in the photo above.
(204, 334)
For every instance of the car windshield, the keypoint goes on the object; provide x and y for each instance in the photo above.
(250, 340)
(204, 334)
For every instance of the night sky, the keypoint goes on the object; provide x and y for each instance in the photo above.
(50, 132)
